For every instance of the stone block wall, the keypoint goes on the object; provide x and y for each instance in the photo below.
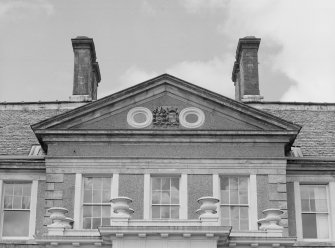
(272, 193)
(132, 186)
(59, 192)
(198, 186)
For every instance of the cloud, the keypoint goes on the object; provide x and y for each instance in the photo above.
(147, 8)
(135, 75)
(211, 74)
(196, 6)
(302, 28)
(18, 9)
(207, 74)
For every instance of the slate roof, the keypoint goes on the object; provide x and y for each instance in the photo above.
(15, 133)
(16, 136)
(317, 136)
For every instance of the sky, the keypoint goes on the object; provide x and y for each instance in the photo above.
(194, 40)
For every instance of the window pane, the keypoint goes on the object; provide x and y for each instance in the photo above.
(96, 222)
(106, 196)
(97, 183)
(97, 198)
(88, 196)
(321, 206)
(165, 183)
(243, 183)
(18, 189)
(224, 184)
(156, 197)
(8, 202)
(244, 218)
(165, 212)
(9, 189)
(243, 197)
(305, 205)
(156, 183)
(155, 212)
(26, 202)
(16, 223)
(174, 212)
(106, 183)
(97, 211)
(88, 183)
(322, 226)
(87, 223)
(244, 224)
(166, 197)
(26, 189)
(174, 196)
(315, 226)
(309, 226)
(175, 183)
(105, 222)
(88, 211)
(224, 197)
(233, 197)
(105, 211)
(17, 204)
(233, 183)
(235, 218)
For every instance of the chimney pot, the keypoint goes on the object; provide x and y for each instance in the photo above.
(86, 70)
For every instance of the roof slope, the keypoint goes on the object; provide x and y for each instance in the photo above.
(16, 136)
(317, 136)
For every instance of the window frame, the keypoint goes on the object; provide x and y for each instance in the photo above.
(252, 194)
(32, 209)
(161, 204)
(147, 199)
(330, 187)
(79, 196)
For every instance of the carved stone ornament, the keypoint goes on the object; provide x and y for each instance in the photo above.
(165, 116)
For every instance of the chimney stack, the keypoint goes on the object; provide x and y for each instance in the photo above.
(245, 70)
(86, 70)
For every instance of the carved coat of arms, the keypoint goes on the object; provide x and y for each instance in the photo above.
(165, 116)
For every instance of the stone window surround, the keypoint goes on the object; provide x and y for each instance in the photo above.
(297, 204)
(182, 195)
(252, 194)
(33, 203)
(79, 191)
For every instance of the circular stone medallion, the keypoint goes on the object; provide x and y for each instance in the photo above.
(139, 117)
(191, 117)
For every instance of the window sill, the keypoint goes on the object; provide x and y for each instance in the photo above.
(316, 242)
(17, 240)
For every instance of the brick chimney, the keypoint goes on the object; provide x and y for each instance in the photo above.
(245, 70)
(86, 70)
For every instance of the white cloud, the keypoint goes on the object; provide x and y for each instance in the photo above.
(196, 6)
(135, 75)
(207, 74)
(210, 74)
(147, 8)
(17, 9)
(304, 30)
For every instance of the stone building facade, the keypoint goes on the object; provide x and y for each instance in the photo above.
(166, 163)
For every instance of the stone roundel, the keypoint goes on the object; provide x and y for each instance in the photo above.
(192, 117)
(139, 117)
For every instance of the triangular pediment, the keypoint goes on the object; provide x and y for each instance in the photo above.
(220, 113)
